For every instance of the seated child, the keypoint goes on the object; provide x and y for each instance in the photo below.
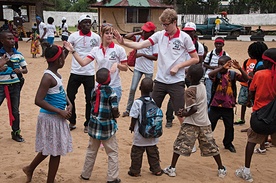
(223, 98)
(102, 127)
(196, 124)
(141, 144)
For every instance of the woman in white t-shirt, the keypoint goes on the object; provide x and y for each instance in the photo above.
(107, 55)
(64, 30)
(51, 30)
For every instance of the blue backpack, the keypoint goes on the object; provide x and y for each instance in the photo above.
(150, 125)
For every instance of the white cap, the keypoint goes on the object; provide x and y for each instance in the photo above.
(63, 18)
(189, 26)
(84, 17)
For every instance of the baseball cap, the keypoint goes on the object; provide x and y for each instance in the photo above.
(63, 18)
(189, 26)
(148, 26)
(84, 17)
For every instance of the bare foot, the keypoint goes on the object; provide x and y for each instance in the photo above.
(28, 172)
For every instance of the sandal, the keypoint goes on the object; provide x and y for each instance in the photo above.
(159, 173)
(133, 174)
(260, 151)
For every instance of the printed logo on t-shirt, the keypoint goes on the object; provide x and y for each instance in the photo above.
(93, 42)
(250, 67)
(112, 55)
(176, 45)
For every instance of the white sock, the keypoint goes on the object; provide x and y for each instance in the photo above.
(246, 170)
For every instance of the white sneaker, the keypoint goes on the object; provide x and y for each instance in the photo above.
(170, 171)
(194, 149)
(222, 172)
(240, 173)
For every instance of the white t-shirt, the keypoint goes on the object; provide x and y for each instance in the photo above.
(195, 95)
(65, 27)
(214, 60)
(113, 54)
(51, 29)
(41, 28)
(170, 53)
(143, 64)
(138, 139)
(83, 44)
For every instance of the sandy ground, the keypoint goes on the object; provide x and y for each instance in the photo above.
(189, 169)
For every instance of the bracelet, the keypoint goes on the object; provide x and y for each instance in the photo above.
(73, 52)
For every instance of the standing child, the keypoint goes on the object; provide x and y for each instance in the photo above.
(64, 30)
(102, 128)
(196, 124)
(10, 81)
(141, 144)
(223, 98)
(34, 44)
(52, 131)
(51, 30)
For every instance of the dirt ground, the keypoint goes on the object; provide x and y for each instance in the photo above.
(189, 169)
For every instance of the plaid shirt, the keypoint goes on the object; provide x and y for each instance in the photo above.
(103, 125)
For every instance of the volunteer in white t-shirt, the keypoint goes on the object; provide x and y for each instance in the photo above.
(83, 41)
(64, 29)
(51, 30)
(173, 45)
(42, 28)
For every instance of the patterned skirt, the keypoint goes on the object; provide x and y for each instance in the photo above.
(53, 135)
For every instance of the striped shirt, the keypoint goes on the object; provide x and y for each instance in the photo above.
(17, 61)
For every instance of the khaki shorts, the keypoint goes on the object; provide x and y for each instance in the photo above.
(256, 138)
(187, 136)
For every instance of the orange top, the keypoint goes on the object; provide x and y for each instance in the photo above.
(262, 85)
(249, 66)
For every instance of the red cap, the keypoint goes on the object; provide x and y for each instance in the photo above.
(148, 27)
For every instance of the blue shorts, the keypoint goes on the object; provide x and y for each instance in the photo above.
(243, 95)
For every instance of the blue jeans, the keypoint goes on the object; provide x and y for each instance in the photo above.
(134, 83)
(14, 90)
(50, 40)
(208, 85)
(118, 91)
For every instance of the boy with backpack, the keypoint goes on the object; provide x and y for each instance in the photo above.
(223, 97)
(211, 62)
(196, 124)
(147, 128)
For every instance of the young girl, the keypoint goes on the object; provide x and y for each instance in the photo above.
(52, 133)
(34, 44)
(51, 30)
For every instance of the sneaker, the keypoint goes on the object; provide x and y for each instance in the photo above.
(72, 126)
(85, 130)
(126, 113)
(170, 171)
(222, 172)
(239, 122)
(115, 181)
(16, 136)
(169, 124)
(240, 173)
(194, 149)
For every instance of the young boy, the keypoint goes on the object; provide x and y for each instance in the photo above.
(9, 81)
(140, 144)
(223, 98)
(102, 127)
(196, 124)
(263, 91)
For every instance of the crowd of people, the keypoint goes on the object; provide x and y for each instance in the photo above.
(210, 77)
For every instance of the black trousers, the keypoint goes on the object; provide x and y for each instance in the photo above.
(137, 157)
(72, 89)
(227, 114)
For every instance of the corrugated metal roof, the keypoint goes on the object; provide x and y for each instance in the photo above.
(132, 3)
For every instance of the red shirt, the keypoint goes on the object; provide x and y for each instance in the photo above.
(265, 92)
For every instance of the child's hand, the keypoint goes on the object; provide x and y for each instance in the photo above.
(17, 71)
(69, 108)
(227, 65)
(65, 114)
(236, 64)
(180, 112)
(131, 128)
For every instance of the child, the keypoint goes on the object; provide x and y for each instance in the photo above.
(263, 91)
(10, 81)
(196, 124)
(51, 30)
(140, 144)
(211, 63)
(102, 128)
(64, 30)
(52, 132)
(223, 98)
(34, 44)
(255, 51)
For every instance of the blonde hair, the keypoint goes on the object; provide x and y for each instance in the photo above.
(168, 15)
(105, 28)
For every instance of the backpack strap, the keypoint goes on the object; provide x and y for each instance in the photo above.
(144, 110)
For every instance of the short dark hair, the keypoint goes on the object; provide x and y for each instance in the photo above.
(102, 75)
(4, 33)
(50, 20)
(195, 72)
(256, 50)
(146, 85)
